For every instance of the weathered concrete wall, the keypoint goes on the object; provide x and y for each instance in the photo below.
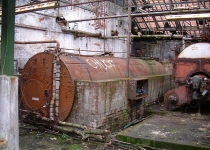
(168, 65)
(41, 25)
(162, 49)
(101, 104)
(9, 131)
(158, 86)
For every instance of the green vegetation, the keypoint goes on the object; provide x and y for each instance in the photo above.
(73, 147)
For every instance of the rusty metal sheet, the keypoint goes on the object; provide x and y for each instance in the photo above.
(147, 67)
(177, 97)
(100, 68)
(66, 92)
(156, 67)
(192, 61)
(35, 79)
(36, 86)
(185, 68)
(206, 67)
(139, 67)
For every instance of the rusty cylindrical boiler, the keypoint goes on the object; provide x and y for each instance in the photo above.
(192, 74)
(47, 80)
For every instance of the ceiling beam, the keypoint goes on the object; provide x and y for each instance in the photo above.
(161, 13)
(174, 29)
(175, 3)
(188, 16)
(34, 7)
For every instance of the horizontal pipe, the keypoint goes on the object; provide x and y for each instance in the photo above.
(186, 28)
(188, 16)
(72, 125)
(144, 14)
(96, 131)
(35, 7)
(29, 4)
(87, 35)
(85, 50)
(77, 50)
(39, 42)
(123, 36)
(38, 13)
(30, 27)
(78, 33)
(147, 36)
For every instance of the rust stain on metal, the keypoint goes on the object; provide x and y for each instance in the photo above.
(192, 74)
(185, 67)
(36, 85)
(176, 97)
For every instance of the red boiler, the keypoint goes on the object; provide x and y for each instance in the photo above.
(192, 74)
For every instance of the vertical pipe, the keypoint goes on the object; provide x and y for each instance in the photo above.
(104, 28)
(128, 39)
(183, 44)
(7, 37)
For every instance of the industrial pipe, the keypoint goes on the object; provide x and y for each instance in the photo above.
(124, 36)
(38, 3)
(46, 15)
(78, 49)
(39, 42)
(147, 36)
(77, 34)
(30, 27)
(72, 125)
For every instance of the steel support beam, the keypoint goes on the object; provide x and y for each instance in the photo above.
(34, 7)
(188, 16)
(7, 37)
(177, 3)
(176, 36)
(128, 39)
(175, 29)
(162, 13)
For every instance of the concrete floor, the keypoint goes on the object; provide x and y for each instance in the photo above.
(171, 130)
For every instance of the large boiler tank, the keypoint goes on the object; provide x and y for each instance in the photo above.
(192, 74)
(47, 76)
